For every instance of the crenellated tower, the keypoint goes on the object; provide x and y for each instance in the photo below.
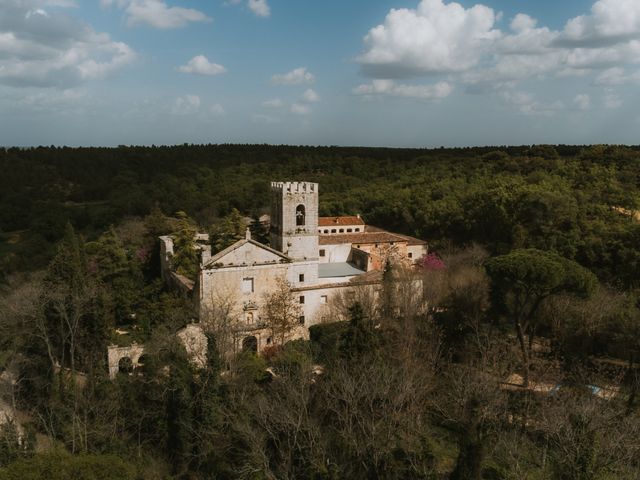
(294, 219)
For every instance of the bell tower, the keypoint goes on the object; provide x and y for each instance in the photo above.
(294, 219)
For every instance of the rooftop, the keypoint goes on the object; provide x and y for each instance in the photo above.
(362, 238)
(332, 221)
(332, 270)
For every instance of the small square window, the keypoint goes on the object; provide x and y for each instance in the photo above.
(301, 277)
(349, 230)
(301, 319)
(323, 252)
(247, 285)
(323, 299)
(333, 230)
(301, 299)
(357, 229)
(326, 231)
(410, 255)
(342, 230)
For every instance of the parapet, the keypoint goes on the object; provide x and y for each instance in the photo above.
(294, 187)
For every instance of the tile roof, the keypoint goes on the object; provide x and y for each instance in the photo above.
(361, 238)
(331, 221)
(410, 240)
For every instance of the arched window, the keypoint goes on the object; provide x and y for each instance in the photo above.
(300, 215)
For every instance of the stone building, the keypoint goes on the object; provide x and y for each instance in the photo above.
(317, 258)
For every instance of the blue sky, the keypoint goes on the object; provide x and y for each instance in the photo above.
(357, 72)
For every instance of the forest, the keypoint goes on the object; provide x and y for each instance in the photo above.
(525, 365)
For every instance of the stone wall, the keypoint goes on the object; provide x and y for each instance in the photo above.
(115, 354)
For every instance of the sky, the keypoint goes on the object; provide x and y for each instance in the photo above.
(397, 73)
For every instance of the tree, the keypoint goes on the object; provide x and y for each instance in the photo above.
(185, 256)
(523, 279)
(282, 311)
(226, 232)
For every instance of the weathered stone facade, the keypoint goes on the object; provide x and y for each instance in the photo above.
(320, 269)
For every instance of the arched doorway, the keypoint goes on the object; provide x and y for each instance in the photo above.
(250, 344)
(142, 361)
(125, 365)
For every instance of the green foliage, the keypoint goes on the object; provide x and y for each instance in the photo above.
(60, 465)
(325, 340)
(185, 257)
(227, 231)
(532, 275)
(360, 337)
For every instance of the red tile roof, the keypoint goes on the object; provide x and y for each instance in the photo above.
(340, 221)
(410, 240)
(364, 238)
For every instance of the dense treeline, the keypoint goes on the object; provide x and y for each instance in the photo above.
(518, 359)
(558, 198)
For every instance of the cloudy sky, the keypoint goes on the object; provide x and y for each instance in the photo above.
(330, 72)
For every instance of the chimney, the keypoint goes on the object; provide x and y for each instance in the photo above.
(247, 234)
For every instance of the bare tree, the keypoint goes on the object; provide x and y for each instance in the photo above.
(282, 311)
(589, 436)
(221, 316)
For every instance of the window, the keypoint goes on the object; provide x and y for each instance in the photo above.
(410, 255)
(357, 229)
(301, 277)
(300, 214)
(247, 285)
(249, 317)
(326, 230)
(301, 319)
(333, 230)
(349, 230)
(323, 299)
(342, 230)
(323, 252)
(269, 340)
(301, 299)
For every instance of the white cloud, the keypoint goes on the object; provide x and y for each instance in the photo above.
(582, 101)
(310, 96)
(612, 100)
(439, 37)
(217, 110)
(434, 38)
(156, 13)
(259, 7)
(523, 23)
(186, 105)
(391, 88)
(200, 65)
(300, 109)
(610, 20)
(528, 105)
(51, 49)
(273, 103)
(617, 76)
(297, 76)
